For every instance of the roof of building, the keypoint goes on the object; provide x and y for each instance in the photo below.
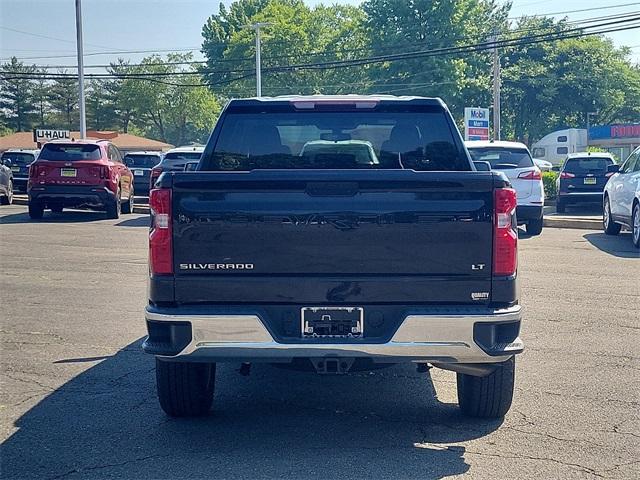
(124, 141)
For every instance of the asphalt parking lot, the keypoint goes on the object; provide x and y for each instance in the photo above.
(78, 395)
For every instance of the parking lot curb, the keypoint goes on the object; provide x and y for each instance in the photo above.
(23, 200)
(576, 223)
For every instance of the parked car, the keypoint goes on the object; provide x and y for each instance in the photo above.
(141, 163)
(514, 160)
(543, 165)
(621, 200)
(81, 173)
(582, 179)
(6, 183)
(18, 160)
(175, 160)
(262, 255)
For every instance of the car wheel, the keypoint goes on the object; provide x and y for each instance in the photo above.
(128, 207)
(610, 227)
(489, 396)
(560, 206)
(36, 210)
(114, 208)
(534, 227)
(8, 198)
(185, 389)
(635, 224)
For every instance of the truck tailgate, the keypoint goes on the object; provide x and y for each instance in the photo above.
(322, 237)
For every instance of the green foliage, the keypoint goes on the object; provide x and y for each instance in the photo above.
(16, 95)
(549, 182)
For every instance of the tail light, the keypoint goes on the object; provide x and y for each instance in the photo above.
(155, 173)
(532, 175)
(608, 174)
(505, 235)
(160, 237)
(567, 175)
(104, 172)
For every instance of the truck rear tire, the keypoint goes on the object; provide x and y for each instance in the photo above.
(534, 227)
(490, 396)
(185, 389)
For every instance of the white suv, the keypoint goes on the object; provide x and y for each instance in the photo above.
(621, 200)
(514, 160)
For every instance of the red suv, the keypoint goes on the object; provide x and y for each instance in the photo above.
(82, 173)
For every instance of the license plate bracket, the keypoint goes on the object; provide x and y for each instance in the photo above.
(590, 181)
(68, 172)
(332, 322)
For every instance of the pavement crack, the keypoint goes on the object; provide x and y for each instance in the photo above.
(107, 465)
(582, 468)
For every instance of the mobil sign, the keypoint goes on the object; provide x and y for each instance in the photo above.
(476, 123)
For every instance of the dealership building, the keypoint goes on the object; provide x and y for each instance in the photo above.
(618, 139)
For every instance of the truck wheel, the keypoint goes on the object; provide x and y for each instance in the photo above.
(36, 210)
(534, 227)
(114, 208)
(560, 206)
(610, 227)
(490, 396)
(185, 389)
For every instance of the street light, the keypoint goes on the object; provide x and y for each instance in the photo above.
(83, 120)
(256, 27)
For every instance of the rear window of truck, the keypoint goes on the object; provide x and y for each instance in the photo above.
(419, 139)
(69, 153)
(502, 158)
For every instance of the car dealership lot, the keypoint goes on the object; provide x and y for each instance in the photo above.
(78, 401)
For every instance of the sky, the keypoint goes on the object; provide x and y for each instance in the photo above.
(34, 29)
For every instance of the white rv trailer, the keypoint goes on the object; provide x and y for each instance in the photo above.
(555, 146)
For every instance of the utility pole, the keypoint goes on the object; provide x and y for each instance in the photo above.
(496, 89)
(256, 27)
(83, 119)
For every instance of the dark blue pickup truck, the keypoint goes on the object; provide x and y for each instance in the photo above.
(334, 234)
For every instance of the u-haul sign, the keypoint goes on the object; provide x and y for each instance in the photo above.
(476, 123)
(41, 135)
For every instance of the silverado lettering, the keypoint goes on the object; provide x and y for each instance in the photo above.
(376, 242)
(216, 266)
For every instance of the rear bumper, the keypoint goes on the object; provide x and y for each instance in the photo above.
(20, 183)
(578, 197)
(72, 195)
(460, 335)
(524, 213)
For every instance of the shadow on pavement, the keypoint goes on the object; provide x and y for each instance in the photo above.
(135, 222)
(67, 216)
(583, 210)
(617, 245)
(106, 422)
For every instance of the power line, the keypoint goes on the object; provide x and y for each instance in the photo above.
(195, 49)
(514, 42)
(625, 16)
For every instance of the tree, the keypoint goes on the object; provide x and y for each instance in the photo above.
(16, 94)
(101, 114)
(64, 101)
(298, 34)
(401, 26)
